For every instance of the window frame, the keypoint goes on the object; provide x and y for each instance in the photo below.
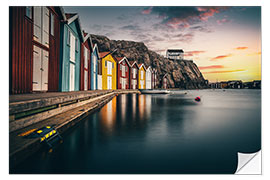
(30, 15)
(52, 21)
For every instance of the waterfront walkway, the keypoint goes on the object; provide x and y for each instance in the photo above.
(60, 110)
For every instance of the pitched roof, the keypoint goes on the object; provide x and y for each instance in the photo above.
(70, 15)
(118, 58)
(85, 33)
(132, 63)
(142, 65)
(103, 54)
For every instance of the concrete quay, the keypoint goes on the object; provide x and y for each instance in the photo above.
(68, 109)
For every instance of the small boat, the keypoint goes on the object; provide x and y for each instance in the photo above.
(154, 91)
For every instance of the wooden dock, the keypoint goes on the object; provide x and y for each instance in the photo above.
(61, 109)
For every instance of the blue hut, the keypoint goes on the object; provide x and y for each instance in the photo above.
(94, 68)
(70, 52)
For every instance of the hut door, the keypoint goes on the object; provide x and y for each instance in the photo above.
(72, 77)
(134, 84)
(94, 81)
(141, 84)
(44, 74)
(109, 83)
(72, 62)
(40, 69)
(124, 83)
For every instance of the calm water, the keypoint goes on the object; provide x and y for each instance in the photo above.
(159, 134)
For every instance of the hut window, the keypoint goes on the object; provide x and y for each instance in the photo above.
(109, 69)
(123, 71)
(72, 48)
(52, 24)
(94, 63)
(141, 74)
(85, 58)
(134, 73)
(45, 26)
(76, 45)
(105, 63)
(41, 25)
(29, 12)
(68, 38)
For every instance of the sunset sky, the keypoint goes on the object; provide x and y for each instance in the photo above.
(224, 42)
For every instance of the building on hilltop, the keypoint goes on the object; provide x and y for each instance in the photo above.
(175, 54)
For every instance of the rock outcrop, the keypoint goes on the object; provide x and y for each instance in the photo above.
(182, 74)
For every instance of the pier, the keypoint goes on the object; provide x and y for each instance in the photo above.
(60, 109)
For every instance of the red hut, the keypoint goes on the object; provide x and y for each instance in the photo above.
(85, 71)
(34, 48)
(165, 81)
(123, 68)
(134, 68)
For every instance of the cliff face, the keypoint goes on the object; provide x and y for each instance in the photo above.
(181, 74)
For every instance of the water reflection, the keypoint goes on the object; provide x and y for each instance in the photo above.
(107, 116)
(142, 105)
(134, 102)
(159, 134)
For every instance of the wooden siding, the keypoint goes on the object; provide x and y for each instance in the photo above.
(105, 76)
(94, 55)
(119, 75)
(65, 59)
(133, 79)
(54, 54)
(141, 78)
(148, 78)
(82, 68)
(21, 52)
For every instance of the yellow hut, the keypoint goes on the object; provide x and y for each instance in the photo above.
(141, 80)
(108, 65)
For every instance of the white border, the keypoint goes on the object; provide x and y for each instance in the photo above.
(265, 84)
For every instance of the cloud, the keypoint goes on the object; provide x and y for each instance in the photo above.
(211, 67)
(182, 37)
(131, 27)
(223, 21)
(201, 29)
(241, 48)
(184, 17)
(191, 53)
(157, 38)
(229, 71)
(221, 57)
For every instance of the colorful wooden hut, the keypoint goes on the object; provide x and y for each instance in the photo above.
(148, 77)
(134, 68)
(70, 50)
(94, 68)
(141, 76)
(34, 48)
(123, 68)
(85, 71)
(165, 81)
(109, 74)
(154, 78)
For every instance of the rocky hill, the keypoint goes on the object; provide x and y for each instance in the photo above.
(181, 74)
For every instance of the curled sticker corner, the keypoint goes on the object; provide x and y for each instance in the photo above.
(245, 159)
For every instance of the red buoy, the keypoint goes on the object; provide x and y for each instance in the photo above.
(198, 98)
